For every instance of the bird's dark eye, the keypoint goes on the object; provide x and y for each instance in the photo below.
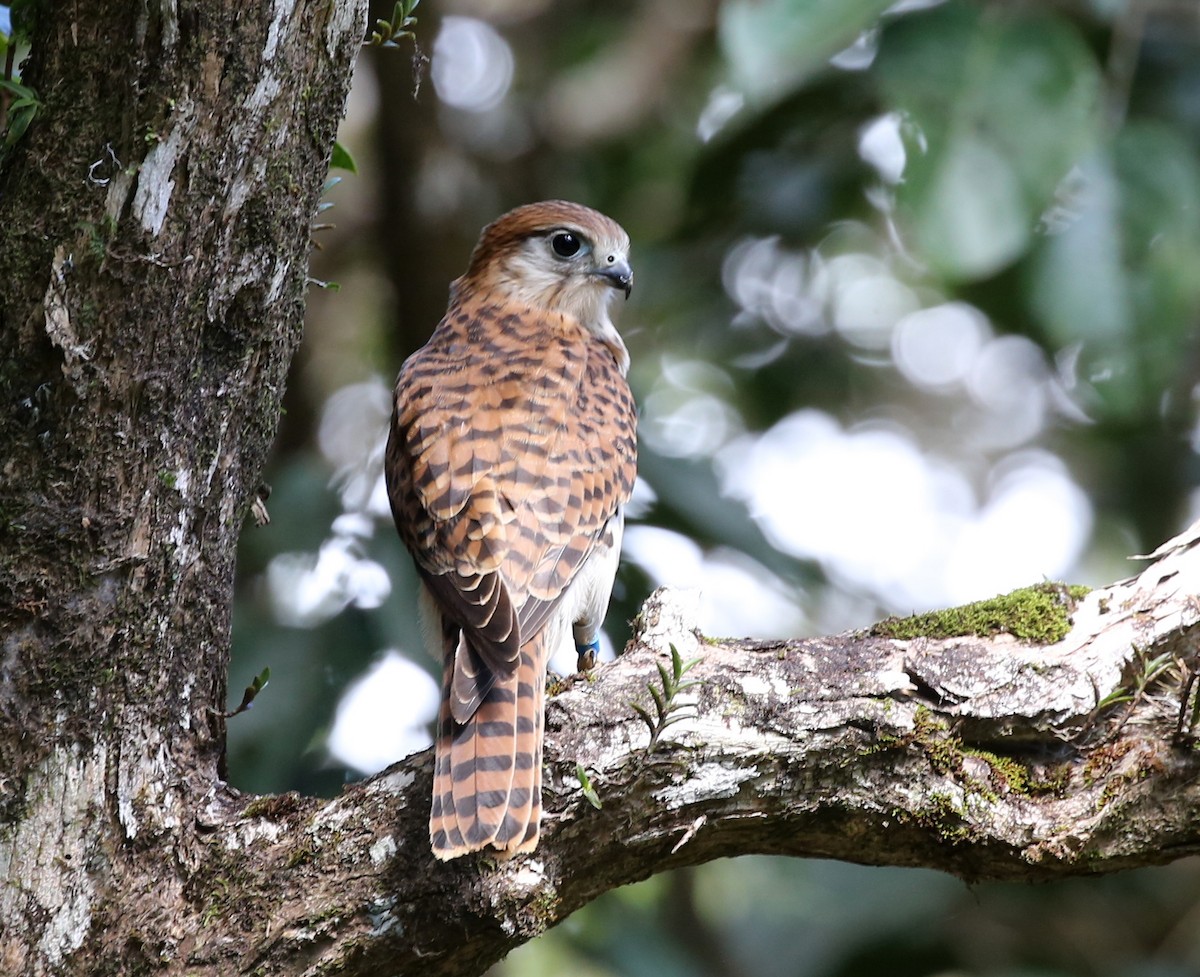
(565, 244)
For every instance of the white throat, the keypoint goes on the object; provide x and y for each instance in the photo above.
(528, 281)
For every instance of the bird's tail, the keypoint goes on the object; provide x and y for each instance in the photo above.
(487, 775)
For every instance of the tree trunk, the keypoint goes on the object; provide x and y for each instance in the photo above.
(153, 242)
(154, 236)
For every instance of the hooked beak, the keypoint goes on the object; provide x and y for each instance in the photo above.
(618, 274)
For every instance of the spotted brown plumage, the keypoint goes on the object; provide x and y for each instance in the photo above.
(511, 454)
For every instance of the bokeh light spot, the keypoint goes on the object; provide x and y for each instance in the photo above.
(472, 65)
(383, 715)
(937, 347)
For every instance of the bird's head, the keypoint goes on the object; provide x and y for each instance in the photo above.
(556, 256)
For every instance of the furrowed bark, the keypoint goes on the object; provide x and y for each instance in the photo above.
(154, 237)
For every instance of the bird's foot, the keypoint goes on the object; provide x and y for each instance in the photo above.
(588, 654)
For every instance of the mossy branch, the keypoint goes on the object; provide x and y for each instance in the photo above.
(1039, 613)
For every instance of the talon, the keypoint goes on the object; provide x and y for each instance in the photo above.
(588, 653)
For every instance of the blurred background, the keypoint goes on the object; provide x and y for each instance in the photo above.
(914, 323)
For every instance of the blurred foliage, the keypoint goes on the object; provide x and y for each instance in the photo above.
(798, 177)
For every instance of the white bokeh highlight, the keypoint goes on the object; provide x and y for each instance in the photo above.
(771, 282)
(738, 596)
(472, 66)
(937, 347)
(384, 715)
(723, 104)
(886, 518)
(881, 146)
(687, 413)
(307, 589)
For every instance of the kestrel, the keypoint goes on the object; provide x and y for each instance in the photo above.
(511, 454)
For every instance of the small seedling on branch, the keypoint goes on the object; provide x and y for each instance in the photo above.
(400, 24)
(251, 693)
(1149, 671)
(667, 711)
(585, 784)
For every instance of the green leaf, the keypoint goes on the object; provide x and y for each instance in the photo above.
(21, 91)
(644, 714)
(251, 692)
(387, 31)
(589, 791)
(342, 160)
(660, 704)
(18, 122)
(678, 717)
(20, 112)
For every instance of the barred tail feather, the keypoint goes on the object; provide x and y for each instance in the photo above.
(529, 839)
(444, 836)
(520, 829)
(487, 771)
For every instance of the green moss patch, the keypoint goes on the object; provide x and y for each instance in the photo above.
(1041, 614)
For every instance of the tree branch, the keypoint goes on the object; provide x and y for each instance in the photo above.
(153, 235)
(985, 757)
